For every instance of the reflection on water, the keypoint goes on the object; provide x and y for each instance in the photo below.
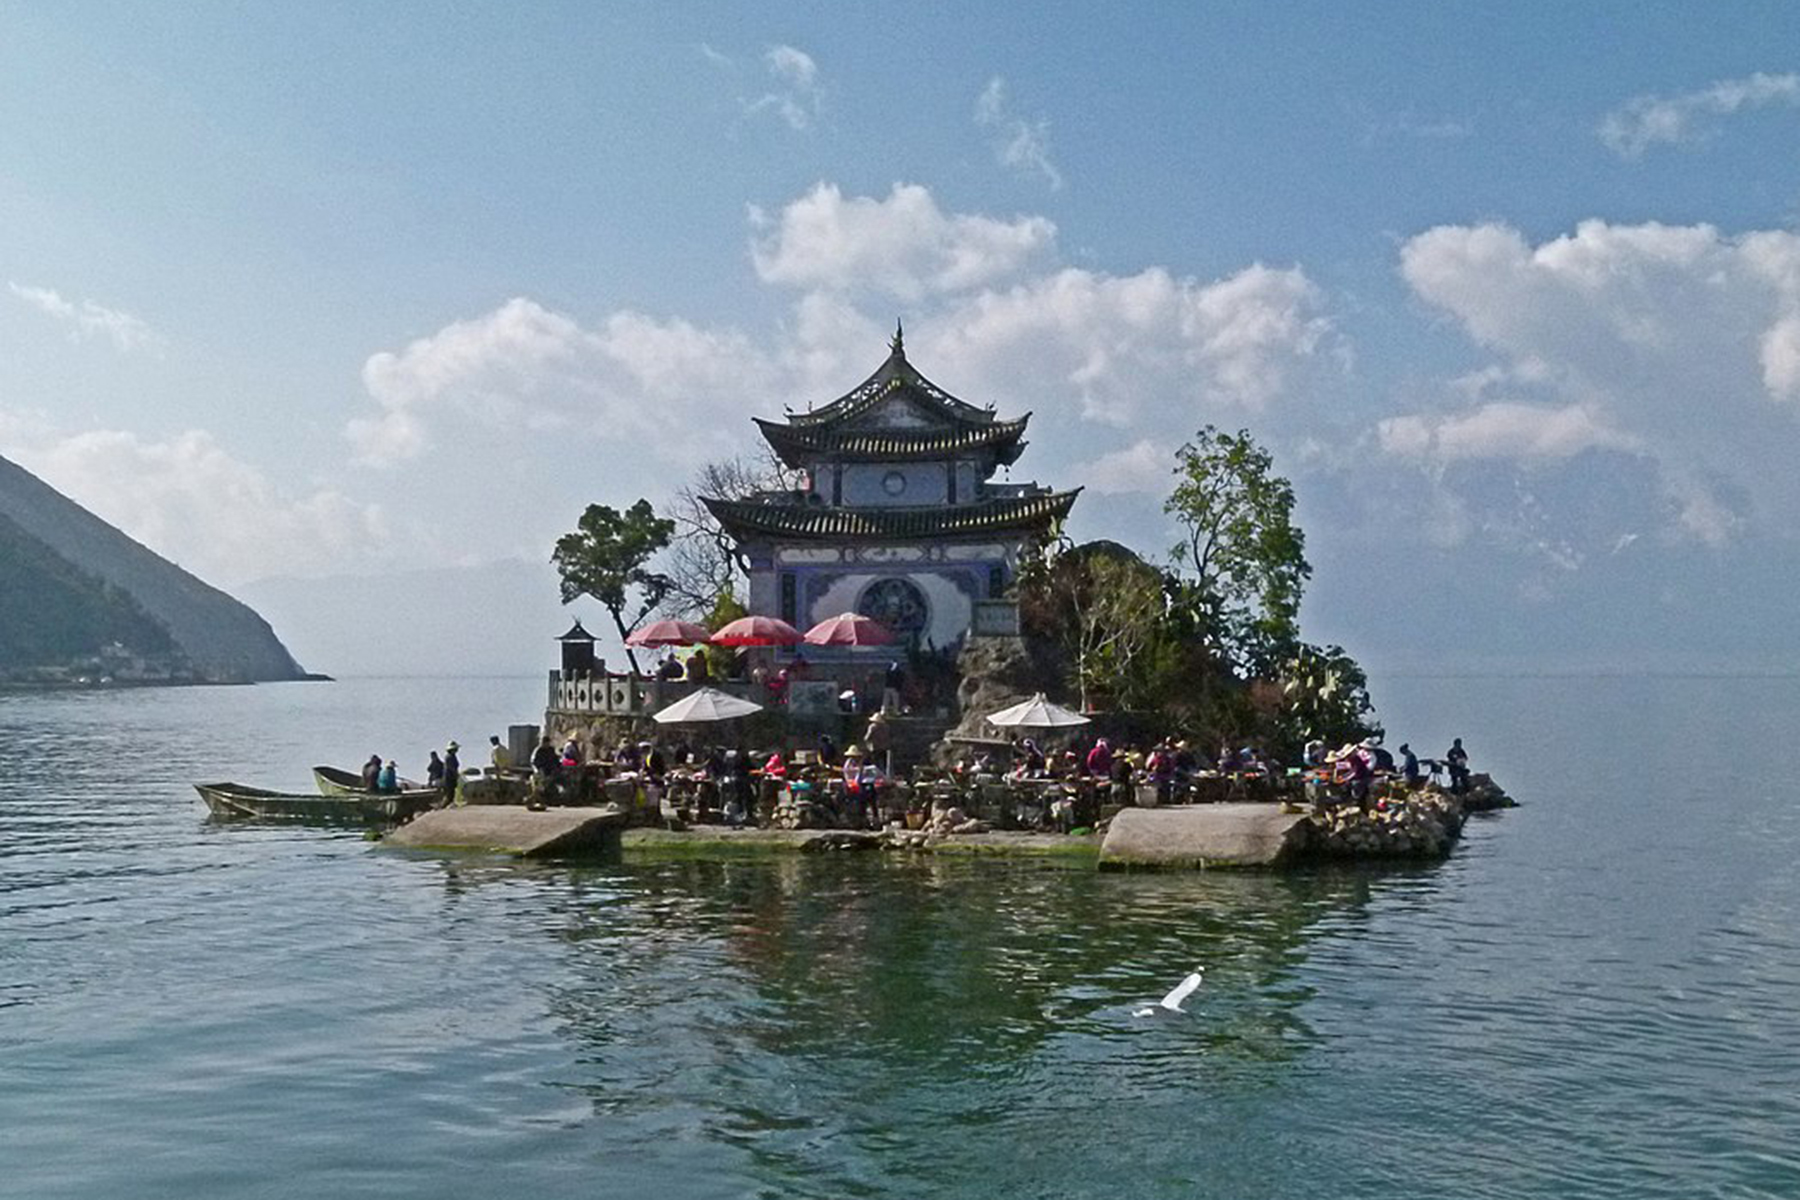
(1595, 996)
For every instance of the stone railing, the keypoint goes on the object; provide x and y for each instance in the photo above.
(628, 695)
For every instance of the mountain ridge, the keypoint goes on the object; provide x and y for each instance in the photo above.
(222, 639)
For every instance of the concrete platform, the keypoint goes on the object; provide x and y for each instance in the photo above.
(515, 830)
(1203, 835)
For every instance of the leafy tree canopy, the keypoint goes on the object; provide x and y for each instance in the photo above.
(1245, 557)
(608, 557)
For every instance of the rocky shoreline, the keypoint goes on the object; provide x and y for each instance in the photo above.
(1418, 825)
(1422, 823)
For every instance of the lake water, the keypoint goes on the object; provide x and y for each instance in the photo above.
(1597, 995)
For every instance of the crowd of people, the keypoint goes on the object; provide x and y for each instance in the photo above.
(1171, 765)
(443, 772)
(732, 785)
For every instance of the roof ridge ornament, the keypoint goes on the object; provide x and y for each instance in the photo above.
(898, 345)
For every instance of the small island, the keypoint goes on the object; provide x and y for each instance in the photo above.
(866, 642)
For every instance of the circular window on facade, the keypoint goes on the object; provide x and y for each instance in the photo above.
(893, 483)
(898, 604)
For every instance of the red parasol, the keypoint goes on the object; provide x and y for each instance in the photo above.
(668, 633)
(850, 629)
(757, 631)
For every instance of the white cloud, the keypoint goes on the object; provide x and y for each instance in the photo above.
(1679, 342)
(523, 371)
(191, 501)
(796, 93)
(1148, 348)
(1144, 353)
(493, 364)
(1144, 466)
(1021, 144)
(85, 319)
(1682, 120)
(904, 245)
(1379, 127)
(1502, 430)
(1779, 350)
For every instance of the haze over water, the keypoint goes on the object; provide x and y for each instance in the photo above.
(1598, 994)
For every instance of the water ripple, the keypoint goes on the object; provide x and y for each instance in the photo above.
(1594, 996)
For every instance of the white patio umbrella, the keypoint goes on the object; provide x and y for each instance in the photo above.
(705, 706)
(1036, 713)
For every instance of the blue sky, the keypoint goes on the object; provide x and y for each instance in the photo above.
(1513, 292)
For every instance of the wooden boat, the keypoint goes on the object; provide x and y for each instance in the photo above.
(238, 800)
(335, 781)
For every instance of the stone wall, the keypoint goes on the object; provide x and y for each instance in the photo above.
(1398, 823)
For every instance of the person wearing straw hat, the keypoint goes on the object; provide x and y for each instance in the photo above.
(452, 773)
(853, 793)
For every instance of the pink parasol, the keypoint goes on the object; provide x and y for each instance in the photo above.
(850, 629)
(668, 633)
(757, 631)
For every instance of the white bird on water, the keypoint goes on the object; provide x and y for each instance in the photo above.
(1172, 1002)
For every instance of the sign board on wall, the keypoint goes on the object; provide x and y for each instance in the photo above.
(995, 618)
(813, 698)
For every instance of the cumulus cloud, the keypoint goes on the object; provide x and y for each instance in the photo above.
(193, 502)
(795, 94)
(1690, 118)
(1023, 145)
(989, 315)
(84, 319)
(904, 245)
(1679, 343)
(492, 364)
(1147, 347)
(524, 369)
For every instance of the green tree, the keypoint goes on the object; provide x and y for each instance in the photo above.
(1246, 556)
(608, 556)
(1104, 607)
(1325, 695)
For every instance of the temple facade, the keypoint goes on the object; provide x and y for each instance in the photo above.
(895, 514)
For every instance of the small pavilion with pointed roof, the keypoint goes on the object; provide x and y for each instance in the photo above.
(895, 515)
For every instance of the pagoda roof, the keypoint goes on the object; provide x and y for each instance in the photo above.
(893, 376)
(576, 633)
(787, 519)
(797, 445)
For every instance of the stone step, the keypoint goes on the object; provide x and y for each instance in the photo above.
(515, 830)
(1204, 835)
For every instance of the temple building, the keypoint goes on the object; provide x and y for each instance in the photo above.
(895, 514)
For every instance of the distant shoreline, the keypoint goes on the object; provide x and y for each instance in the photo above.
(113, 685)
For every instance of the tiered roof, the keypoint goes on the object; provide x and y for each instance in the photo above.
(788, 518)
(945, 425)
(799, 445)
(895, 415)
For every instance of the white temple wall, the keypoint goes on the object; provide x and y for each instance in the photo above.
(951, 609)
(912, 484)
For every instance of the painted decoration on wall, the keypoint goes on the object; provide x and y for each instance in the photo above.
(898, 604)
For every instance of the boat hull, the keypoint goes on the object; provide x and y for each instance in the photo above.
(235, 801)
(335, 781)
